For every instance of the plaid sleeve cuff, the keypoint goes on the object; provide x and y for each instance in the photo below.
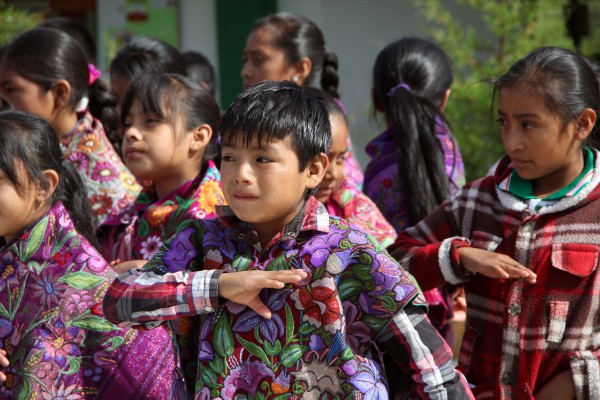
(203, 291)
(586, 375)
(449, 261)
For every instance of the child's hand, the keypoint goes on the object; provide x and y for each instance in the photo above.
(494, 265)
(4, 362)
(561, 387)
(244, 287)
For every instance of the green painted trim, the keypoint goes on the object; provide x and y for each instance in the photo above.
(234, 21)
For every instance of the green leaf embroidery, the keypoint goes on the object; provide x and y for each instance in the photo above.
(291, 354)
(35, 239)
(272, 349)
(209, 378)
(25, 389)
(82, 280)
(349, 288)
(362, 272)
(306, 328)
(388, 303)
(240, 263)
(94, 323)
(74, 365)
(217, 365)
(289, 324)
(114, 342)
(375, 323)
(254, 349)
(223, 337)
(144, 228)
(283, 396)
(3, 312)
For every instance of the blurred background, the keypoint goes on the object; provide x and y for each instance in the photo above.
(483, 37)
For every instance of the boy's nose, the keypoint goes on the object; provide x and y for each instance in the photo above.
(242, 173)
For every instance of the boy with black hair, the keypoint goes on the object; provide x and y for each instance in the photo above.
(344, 297)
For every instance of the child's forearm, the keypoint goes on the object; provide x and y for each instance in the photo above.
(145, 299)
(420, 352)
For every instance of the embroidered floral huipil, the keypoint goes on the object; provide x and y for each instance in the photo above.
(320, 340)
(350, 203)
(139, 231)
(519, 336)
(108, 182)
(52, 282)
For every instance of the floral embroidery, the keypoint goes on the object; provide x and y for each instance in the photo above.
(150, 246)
(89, 143)
(321, 305)
(104, 172)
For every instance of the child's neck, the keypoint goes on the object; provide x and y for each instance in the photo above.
(65, 122)
(552, 183)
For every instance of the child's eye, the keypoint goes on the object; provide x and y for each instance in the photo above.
(126, 125)
(527, 125)
(501, 121)
(227, 158)
(263, 160)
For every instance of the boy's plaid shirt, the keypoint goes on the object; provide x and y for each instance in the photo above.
(518, 336)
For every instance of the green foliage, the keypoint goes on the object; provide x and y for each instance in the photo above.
(508, 29)
(14, 21)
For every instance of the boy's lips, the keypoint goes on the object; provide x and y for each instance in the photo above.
(244, 196)
(132, 151)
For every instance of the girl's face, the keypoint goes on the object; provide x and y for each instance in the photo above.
(540, 147)
(337, 156)
(25, 95)
(263, 61)
(18, 208)
(152, 150)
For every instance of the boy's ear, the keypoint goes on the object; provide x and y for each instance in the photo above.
(585, 123)
(200, 137)
(303, 69)
(316, 170)
(52, 178)
(62, 93)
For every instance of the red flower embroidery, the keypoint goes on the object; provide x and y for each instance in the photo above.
(321, 304)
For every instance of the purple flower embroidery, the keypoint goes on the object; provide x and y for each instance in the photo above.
(150, 246)
(58, 343)
(104, 172)
(357, 331)
(46, 287)
(245, 378)
(206, 350)
(320, 246)
(217, 237)
(181, 251)
(269, 328)
(368, 381)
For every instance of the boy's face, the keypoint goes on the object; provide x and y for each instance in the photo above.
(264, 185)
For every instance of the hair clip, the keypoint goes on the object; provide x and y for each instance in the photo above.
(398, 86)
(94, 74)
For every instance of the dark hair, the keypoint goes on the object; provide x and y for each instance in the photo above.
(199, 69)
(413, 111)
(176, 99)
(145, 55)
(300, 37)
(77, 31)
(331, 104)
(45, 55)
(30, 139)
(276, 110)
(563, 79)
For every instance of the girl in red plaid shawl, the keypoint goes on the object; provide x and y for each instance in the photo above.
(525, 242)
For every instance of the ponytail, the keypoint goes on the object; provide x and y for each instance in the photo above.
(329, 77)
(102, 105)
(419, 156)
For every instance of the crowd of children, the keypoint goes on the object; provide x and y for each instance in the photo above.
(153, 247)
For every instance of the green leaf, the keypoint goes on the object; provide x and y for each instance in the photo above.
(291, 354)
(217, 365)
(375, 323)
(74, 365)
(362, 272)
(223, 338)
(306, 329)
(3, 312)
(254, 349)
(349, 288)
(272, 349)
(35, 267)
(82, 280)
(289, 324)
(93, 323)
(209, 378)
(240, 263)
(260, 396)
(19, 297)
(283, 396)
(35, 239)
(25, 389)
(144, 228)
(388, 303)
(113, 343)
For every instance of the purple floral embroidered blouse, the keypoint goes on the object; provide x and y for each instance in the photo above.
(108, 182)
(52, 283)
(319, 341)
